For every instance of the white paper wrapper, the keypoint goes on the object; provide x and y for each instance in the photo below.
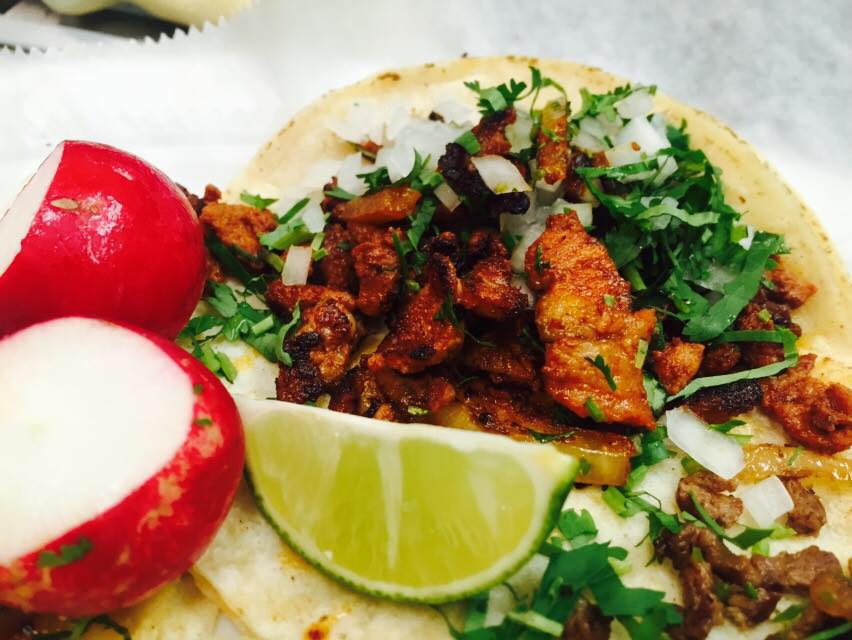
(199, 105)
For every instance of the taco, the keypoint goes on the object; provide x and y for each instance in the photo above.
(541, 250)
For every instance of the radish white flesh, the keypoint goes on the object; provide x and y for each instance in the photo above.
(711, 449)
(16, 221)
(766, 501)
(77, 434)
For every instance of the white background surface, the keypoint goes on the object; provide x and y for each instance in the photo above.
(780, 73)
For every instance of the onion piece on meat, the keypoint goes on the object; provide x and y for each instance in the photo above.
(447, 196)
(500, 175)
(296, 265)
(711, 449)
(766, 501)
(582, 209)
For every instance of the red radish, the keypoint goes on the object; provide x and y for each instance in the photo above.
(120, 455)
(99, 232)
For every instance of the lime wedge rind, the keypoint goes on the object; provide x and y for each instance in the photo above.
(551, 475)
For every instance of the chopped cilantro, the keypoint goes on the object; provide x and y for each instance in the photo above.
(834, 632)
(296, 319)
(540, 265)
(641, 354)
(790, 613)
(340, 194)
(747, 538)
(690, 465)
(417, 411)
(412, 285)
(594, 410)
(256, 201)
(469, 141)
(764, 315)
(82, 625)
(751, 591)
(578, 528)
(794, 456)
(604, 104)
(599, 362)
(655, 393)
(422, 218)
(447, 312)
(496, 99)
(293, 211)
(226, 367)
(68, 553)
(230, 264)
(783, 336)
(376, 180)
(609, 300)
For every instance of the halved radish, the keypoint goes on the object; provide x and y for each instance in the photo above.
(99, 232)
(120, 455)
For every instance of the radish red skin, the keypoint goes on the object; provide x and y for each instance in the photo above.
(158, 531)
(131, 250)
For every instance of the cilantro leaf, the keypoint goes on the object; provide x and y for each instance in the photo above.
(256, 201)
(578, 529)
(469, 141)
(340, 194)
(599, 362)
(376, 180)
(68, 553)
(422, 218)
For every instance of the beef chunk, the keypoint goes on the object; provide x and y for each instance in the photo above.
(808, 514)
(484, 243)
(677, 364)
(586, 622)
(708, 489)
(701, 608)
(747, 610)
(378, 271)
(720, 404)
(336, 268)
(488, 291)
(794, 571)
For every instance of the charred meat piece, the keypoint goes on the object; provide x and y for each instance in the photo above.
(391, 204)
(809, 622)
(336, 268)
(487, 291)
(413, 397)
(378, 271)
(720, 404)
(576, 189)
(211, 194)
(461, 175)
(586, 622)
(238, 225)
(424, 334)
(812, 412)
(789, 289)
(323, 342)
(720, 358)
(359, 394)
(505, 362)
(677, 363)
(583, 315)
(553, 158)
(808, 514)
(749, 609)
(491, 133)
(484, 243)
(709, 490)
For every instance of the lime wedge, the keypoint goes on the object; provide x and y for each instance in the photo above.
(409, 512)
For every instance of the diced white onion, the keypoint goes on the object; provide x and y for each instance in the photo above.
(428, 137)
(659, 123)
(766, 501)
(609, 127)
(622, 154)
(447, 196)
(637, 105)
(588, 142)
(313, 217)
(519, 133)
(582, 209)
(711, 449)
(398, 120)
(296, 265)
(530, 235)
(347, 174)
(454, 111)
(364, 121)
(548, 193)
(643, 134)
(668, 166)
(500, 175)
(318, 174)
